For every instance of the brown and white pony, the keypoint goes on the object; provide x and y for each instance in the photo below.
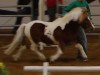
(59, 33)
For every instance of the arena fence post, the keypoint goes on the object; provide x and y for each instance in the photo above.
(45, 70)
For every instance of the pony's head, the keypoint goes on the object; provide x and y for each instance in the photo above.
(88, 25)
(80, 14)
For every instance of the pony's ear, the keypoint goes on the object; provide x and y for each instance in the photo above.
(84, 10)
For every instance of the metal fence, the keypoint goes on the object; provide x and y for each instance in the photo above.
(32, 16)
(46, 69)
(14, 14)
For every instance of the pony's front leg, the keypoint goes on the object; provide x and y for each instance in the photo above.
(80, 47)
(35, 49)
(18, 54)
(57, 55)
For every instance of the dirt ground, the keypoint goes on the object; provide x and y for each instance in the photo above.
(67, 59)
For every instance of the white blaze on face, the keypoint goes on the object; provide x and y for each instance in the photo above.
(92, 25)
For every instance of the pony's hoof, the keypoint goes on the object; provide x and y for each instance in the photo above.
(85, 59)
(52, 58)
(48, 60)
(15, 58)
(43, 58)
(6, 52)
(82, 58)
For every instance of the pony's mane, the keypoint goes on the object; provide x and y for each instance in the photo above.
(72, 15)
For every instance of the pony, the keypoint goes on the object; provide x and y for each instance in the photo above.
(60, 32)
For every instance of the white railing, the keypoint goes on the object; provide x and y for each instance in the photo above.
(46, 68)
(15, 15)
(14, 6)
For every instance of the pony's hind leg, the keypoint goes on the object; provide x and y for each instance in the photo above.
(33, 46)
(80, 47)
(18, 54)
(57, 55)
(11, 49)
(35, 49)
(16, 41)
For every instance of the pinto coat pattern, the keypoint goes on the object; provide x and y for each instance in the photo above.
(59, 32)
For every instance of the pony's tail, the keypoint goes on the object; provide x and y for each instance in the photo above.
(17, 40)
(5, 47)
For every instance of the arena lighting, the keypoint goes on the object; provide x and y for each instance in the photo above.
(46, 68)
